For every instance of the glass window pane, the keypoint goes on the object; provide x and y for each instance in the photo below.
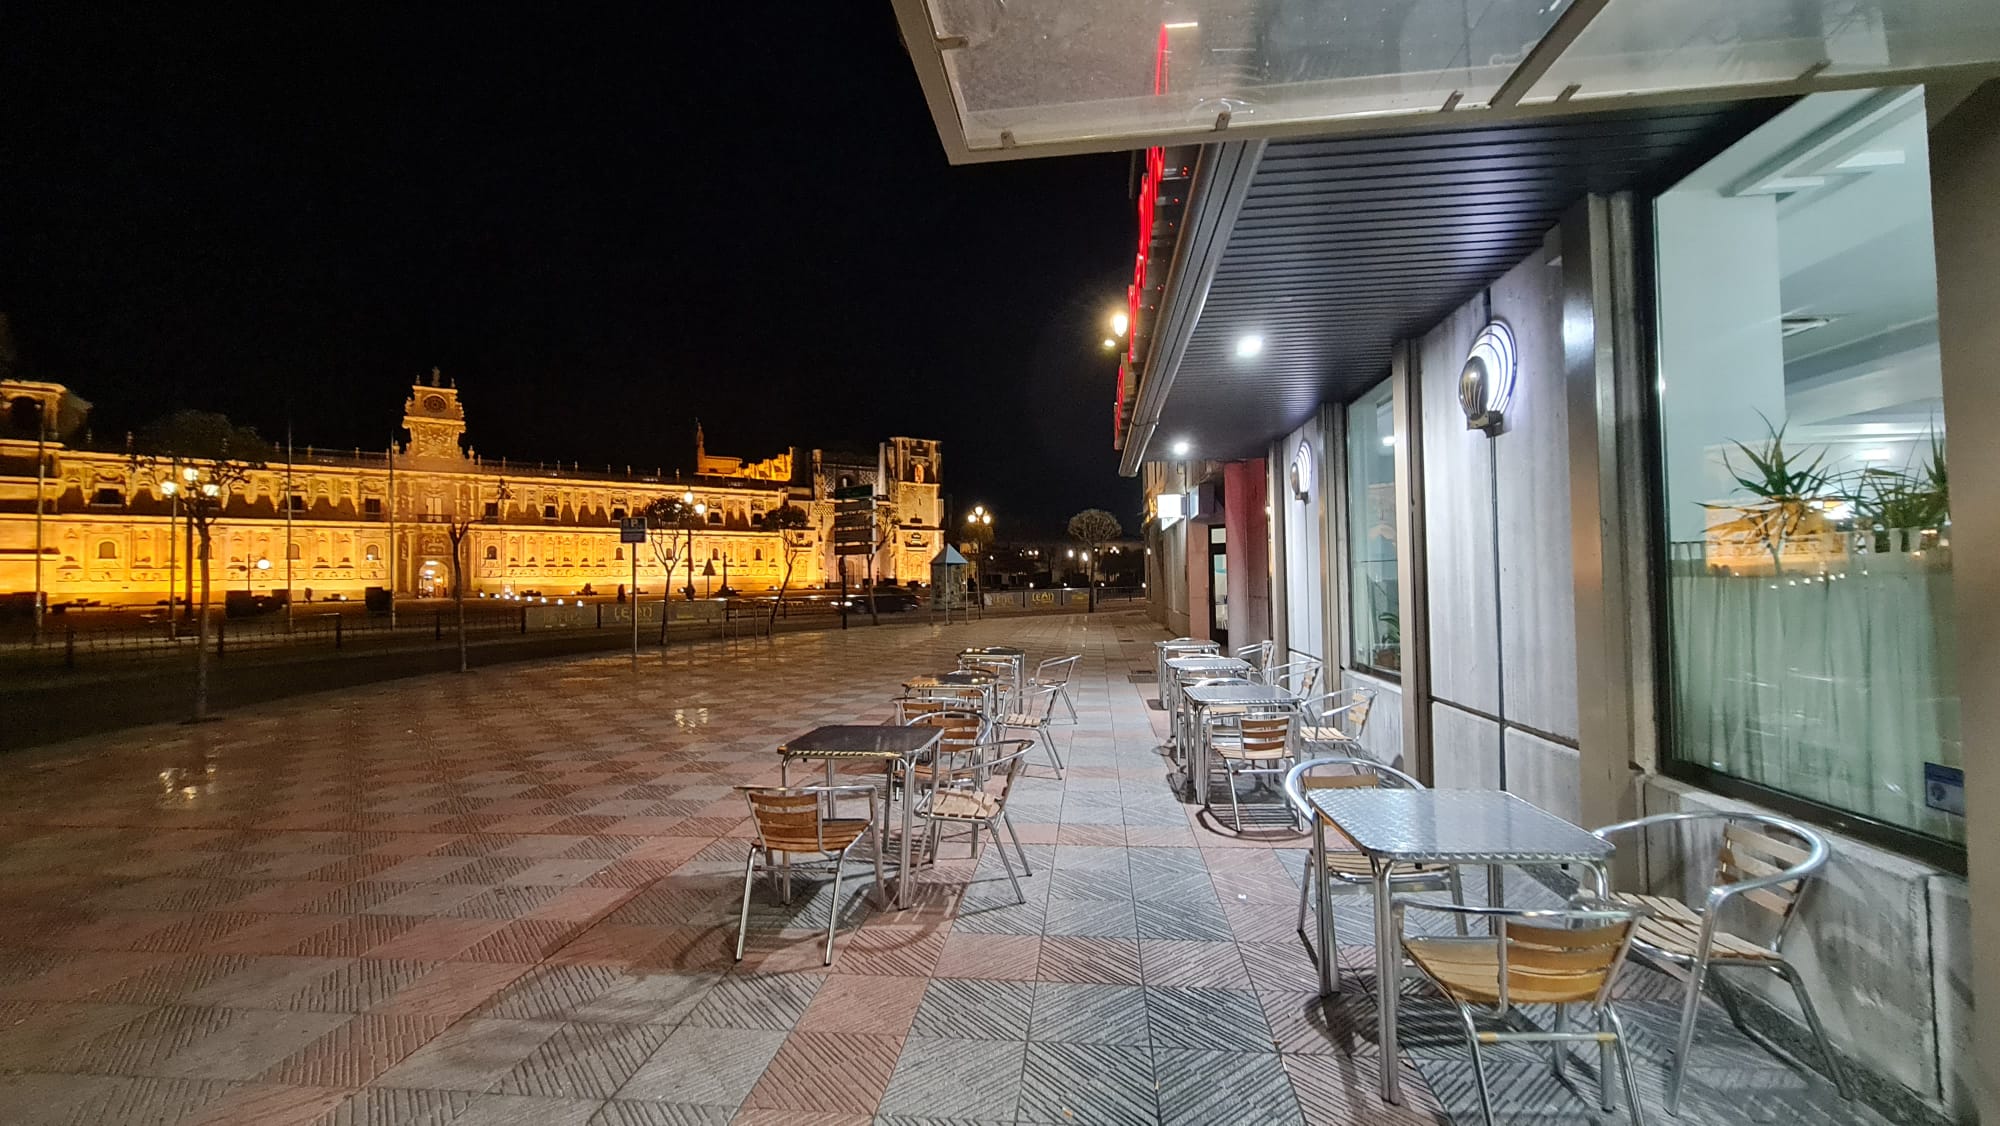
(1371, 531)
(1810, 570)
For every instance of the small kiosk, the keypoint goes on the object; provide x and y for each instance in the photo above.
(948, 591)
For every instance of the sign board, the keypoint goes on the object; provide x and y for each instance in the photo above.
(854, 492)
(860, 547)
(632, 529)
(1944, 788)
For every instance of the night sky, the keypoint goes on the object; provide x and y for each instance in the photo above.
(600, 229)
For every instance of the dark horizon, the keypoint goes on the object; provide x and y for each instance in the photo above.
(600, 232)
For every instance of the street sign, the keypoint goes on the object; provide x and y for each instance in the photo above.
(632, 529)
(854, 492)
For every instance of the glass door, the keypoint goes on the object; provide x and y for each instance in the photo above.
(1218, 585)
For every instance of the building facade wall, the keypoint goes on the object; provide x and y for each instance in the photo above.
(361, 520)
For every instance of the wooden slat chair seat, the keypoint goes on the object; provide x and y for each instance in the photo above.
(1560, 958)
(965, 805)
(1675, 930)
(1764, 863)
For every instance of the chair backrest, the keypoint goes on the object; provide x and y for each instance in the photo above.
(1260, 734)
(1296, 677)
(1762, 860)
(1562, 957)
(967, 697)
(1345, 711)
(1056, 670)
(962, 728)
(1258, 653)
(786, 820)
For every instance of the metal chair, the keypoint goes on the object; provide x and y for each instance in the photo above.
(1337, 719)
(1035, 711)
(1002, 669)
(1563, 957)
(1168, 650)
(1765, 862)
(1347, 870)
(1258, 653)
(1246, 742)
(966, 794)
(790, 823)
(1296, 677)
(1055, 673)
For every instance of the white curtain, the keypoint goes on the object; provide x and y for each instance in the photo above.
(1835, 687)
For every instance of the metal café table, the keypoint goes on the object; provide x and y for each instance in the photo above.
(1164, 651)
(1205, 666)
(889, 744)
(1490, 827)
(1017, 658)
(987, 684)
(1200, 700)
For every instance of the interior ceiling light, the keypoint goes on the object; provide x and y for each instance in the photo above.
(1249, 347)
(1181, 448)
(1792, 326)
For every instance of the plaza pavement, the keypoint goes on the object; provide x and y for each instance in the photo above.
(510, 897)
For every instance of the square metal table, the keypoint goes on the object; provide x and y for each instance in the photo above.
(1164, 651)
(1199, 700)
(1490, 827)
(889, 744)
(1203, 666)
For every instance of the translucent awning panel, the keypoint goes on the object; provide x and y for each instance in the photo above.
(1636, 49)
(1028, 72)
(1018, 76)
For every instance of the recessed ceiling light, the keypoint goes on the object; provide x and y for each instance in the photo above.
(1181, 448)
(1249, 346)
(1388, 439)
(1874, 455)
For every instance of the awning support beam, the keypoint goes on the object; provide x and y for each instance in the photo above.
(1546, 51)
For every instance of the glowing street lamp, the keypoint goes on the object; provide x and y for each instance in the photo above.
(1119, 323)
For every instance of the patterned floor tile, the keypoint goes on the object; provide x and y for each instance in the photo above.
(772, 1002)
(585, 1061)
(1089, 1014)
(1105, 961)
(1065, 1083)
(956, 1079)
(704, 1066)
(1230, 1019)
(472, 1055)
(828, 1072)
(1211, 1088)
(976, 1009)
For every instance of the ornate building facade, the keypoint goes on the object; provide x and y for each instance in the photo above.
(361, 519)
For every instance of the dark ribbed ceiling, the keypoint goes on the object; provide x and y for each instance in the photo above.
(1346, 245)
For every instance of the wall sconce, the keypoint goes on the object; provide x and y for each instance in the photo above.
(1486, 385)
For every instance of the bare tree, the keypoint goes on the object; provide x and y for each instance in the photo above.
(204, 458)
(794, 537)
(1093, 528)
(459, 529)
(667, 520)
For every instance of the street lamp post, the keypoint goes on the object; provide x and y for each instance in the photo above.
(700, 510)
(980, 520)
(250, 569)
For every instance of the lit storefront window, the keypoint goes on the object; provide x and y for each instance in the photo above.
(1371, 532)
(1807, 517)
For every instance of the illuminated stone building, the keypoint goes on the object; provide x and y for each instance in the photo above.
(362, 518)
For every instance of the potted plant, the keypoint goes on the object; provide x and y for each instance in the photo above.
(1790, 492)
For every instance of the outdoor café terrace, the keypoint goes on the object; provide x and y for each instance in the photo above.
(518, 896)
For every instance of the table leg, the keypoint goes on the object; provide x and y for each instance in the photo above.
(1322, 912)
(1388, 983)
(903, 854)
